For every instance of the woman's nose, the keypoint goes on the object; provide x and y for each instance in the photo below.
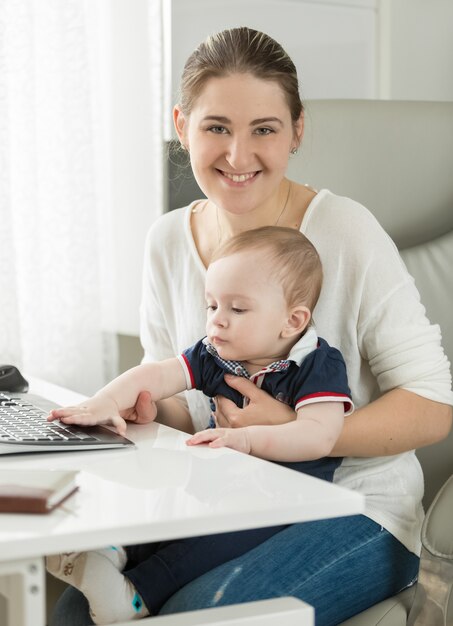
(239, 154)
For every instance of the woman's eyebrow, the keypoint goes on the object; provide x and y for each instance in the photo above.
(265, 120)
(217, 118)
(225, 120)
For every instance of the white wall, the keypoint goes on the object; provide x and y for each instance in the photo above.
(416, 49)
(130, 170)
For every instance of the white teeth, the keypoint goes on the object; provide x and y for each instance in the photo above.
(238, 178)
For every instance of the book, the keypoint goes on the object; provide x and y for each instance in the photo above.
(35, 490)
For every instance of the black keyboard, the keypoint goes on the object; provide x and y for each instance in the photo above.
(24, 428)
(21, 421)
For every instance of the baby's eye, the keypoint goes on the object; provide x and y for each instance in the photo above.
(236, 310)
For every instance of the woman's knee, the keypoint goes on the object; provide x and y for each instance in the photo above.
(315, 562)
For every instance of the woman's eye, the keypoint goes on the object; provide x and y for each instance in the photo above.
(264, 131)
(218, 130)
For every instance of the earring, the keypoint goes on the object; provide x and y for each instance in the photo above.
(294, 151)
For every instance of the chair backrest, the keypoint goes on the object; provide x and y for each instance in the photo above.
(397, 159)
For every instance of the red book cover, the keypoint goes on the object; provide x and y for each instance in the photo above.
(35, 490)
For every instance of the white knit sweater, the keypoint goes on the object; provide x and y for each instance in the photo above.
(369, 308)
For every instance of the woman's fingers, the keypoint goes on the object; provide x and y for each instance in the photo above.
(243, 385)
(226, 412)
(145, 408)
(261, 408)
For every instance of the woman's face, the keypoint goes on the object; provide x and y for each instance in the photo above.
(239, 135)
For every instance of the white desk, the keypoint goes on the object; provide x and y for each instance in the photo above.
(160, 490)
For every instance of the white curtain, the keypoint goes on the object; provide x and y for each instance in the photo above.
(59, 232)
(57, 282)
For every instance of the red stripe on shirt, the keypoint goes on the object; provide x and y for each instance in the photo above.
(324, 394)
(189, 369)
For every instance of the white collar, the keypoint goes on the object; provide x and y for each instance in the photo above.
(300, 350)
(306, 344)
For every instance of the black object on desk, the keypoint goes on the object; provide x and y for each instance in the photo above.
(12, 380)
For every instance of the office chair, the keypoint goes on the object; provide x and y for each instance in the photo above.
(397, 159)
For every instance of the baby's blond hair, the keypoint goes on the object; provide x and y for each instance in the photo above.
(293, 258)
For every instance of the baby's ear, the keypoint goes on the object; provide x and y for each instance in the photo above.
(297, 321)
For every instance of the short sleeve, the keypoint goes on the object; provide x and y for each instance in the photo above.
(194, 362)
(322, 377)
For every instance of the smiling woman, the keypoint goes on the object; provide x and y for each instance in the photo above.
(398, 372)
(240, 159)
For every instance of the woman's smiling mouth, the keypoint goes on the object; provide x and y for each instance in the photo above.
(239, 178)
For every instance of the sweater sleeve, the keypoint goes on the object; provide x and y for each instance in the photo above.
(401, 345)
(403, 348)
(370, 307)
(154, 334)
(172, 310)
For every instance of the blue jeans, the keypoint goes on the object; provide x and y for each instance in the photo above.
(340, 566)
(174, 564)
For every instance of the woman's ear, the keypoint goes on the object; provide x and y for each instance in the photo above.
(299, 130)
(180, 123)
(297, 321)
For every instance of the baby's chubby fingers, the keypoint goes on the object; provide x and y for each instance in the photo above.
(82, 416)
(69, 411)
(205, 436)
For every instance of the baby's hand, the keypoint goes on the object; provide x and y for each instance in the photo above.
(237, 438)
(91, 413)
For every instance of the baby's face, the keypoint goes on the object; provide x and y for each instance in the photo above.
(246, 308)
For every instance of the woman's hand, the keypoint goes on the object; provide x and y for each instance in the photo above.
(223, 437)
(143, 412)
(261, 409)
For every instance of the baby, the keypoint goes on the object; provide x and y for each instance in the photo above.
(261, 288)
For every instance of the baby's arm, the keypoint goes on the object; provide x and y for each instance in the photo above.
(311, 436)
(162, 380)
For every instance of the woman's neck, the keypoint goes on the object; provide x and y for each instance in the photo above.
(270, 214)
(210, 224)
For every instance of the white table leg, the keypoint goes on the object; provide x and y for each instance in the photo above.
(22, 584)
(281, 611)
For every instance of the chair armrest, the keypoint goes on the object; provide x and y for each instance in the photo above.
(435, 579)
